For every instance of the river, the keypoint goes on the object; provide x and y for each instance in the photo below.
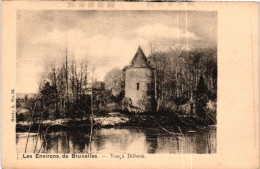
(120, 140)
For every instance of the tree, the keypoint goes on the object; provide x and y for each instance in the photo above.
(201, 98)
(164, 77)
(33, 107)
(63, 87)
(177, 73)
(113, 80)
(78, 84)
(54, 77)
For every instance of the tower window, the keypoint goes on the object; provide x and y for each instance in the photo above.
(137, 86)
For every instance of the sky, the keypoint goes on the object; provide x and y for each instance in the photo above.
(106, 39)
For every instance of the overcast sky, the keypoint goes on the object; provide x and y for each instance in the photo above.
(107, 39)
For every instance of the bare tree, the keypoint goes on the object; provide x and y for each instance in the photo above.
(31, 104)
(177, 72)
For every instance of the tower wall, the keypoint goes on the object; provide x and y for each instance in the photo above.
(135, 77)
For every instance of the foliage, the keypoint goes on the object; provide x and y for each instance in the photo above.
(62, 91)
(177, 73)
(113, 80)
(201, 99)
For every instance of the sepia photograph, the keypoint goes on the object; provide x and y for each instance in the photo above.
(130, 85)
(116, 82)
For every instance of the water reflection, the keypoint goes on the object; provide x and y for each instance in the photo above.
(120, 140)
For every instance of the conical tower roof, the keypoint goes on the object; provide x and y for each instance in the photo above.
(139, 59)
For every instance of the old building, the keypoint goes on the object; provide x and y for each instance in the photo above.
(138, 77)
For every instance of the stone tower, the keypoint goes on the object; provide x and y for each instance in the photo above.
(138, 81)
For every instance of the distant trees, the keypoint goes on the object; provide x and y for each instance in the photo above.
(63, 88)
(179, 76)
(66, 89)
(177, 73)
(113, 81)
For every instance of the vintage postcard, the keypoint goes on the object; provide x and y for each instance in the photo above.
(130, 85)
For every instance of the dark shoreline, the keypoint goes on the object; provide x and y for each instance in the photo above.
(172, 122)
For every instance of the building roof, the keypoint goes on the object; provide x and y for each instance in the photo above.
(139, 60)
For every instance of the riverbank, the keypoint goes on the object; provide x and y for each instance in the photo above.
(117, 119)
